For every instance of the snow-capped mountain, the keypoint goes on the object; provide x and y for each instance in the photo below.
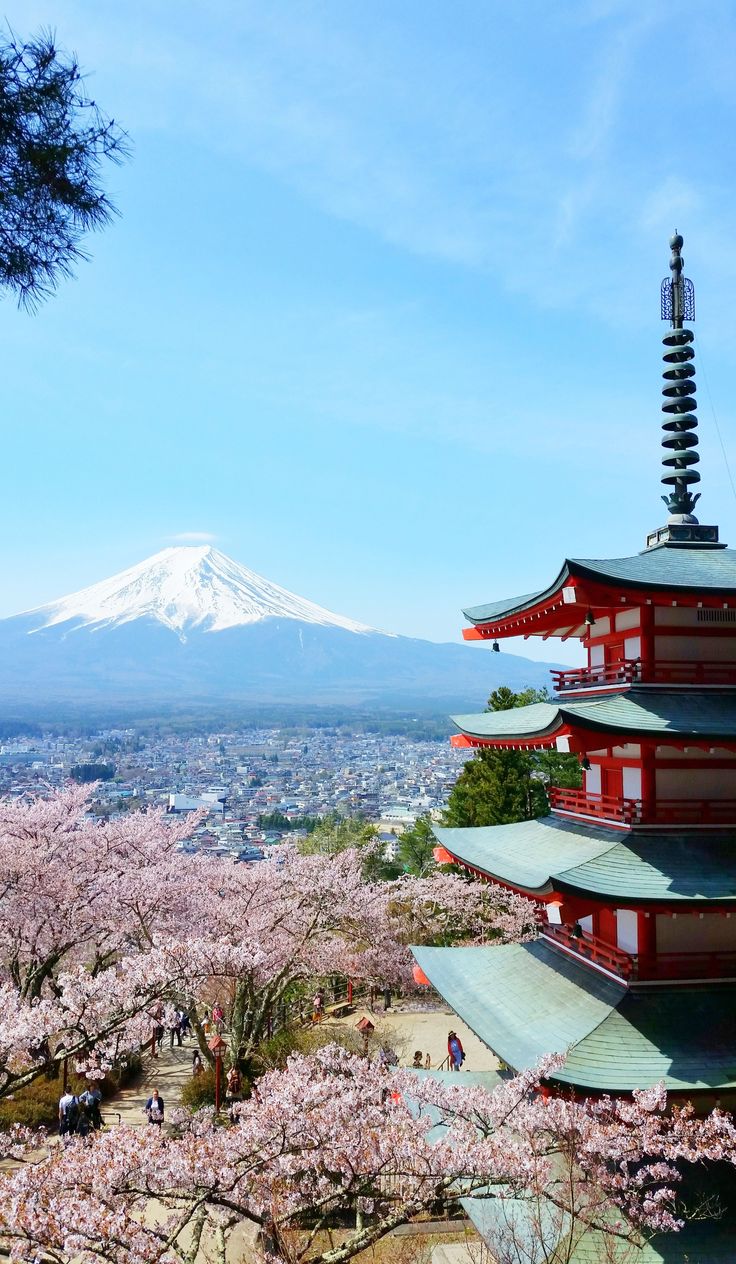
(190, 626)
(186, 587)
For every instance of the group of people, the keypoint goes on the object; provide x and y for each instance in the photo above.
(455, 1055)
(79, 1115)
(178, 1027)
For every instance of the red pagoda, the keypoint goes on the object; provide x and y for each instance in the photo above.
(634, 973)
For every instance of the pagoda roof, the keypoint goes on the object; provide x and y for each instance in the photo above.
(499, 1220)
(553, 854)
(670, 568)
(525, 1000)
(637, 712)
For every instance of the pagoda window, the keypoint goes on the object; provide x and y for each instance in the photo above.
(695, 783)
(627, 930)
(597, 655)
(689, 932)
(632, 783)
(627, 620)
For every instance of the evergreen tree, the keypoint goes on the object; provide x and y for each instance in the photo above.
(497, 787)
(53, 140)
(416, 847)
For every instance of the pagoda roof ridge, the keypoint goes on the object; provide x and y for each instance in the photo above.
(640, 712)
(669, 567)
(527, 1000)
(639, 867)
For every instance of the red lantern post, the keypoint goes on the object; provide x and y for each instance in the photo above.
(216, 1046)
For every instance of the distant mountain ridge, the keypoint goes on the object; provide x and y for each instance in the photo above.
(190, 625)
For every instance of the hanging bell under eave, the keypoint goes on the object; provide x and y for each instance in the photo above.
(443, 856)
(420, 977)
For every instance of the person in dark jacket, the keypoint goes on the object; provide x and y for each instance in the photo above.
(155, 1108)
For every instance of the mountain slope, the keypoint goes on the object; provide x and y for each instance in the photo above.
(190, 625)
(190, 586)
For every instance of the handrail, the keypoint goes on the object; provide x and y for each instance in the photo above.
(666, 671)
(678, 813)
(595, 950)
(604, 807)
(688, 965)
(625, 672)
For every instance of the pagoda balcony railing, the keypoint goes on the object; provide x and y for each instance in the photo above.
(589, 948)
(631, 968)
(603, 807)
(633, 671)
(687, 965)
(675, 813)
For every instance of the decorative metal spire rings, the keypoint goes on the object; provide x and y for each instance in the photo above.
(680, 440)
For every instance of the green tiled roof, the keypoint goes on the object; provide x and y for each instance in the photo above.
(687, 1039)
(653, 712)
(700, 1242)
(518, 1001)
(529, 853)
(525, 1000)
(672, 567)
(638, 867)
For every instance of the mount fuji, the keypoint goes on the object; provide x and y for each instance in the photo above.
(191, 626)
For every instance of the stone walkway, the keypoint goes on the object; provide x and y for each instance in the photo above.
(169, 1072)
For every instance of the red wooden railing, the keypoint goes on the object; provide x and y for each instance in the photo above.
(632, 671)
(603, 807)
(590, 948)
(687, 965)
(677, 812)
(590, 677)
(631, 968)
(674, 812)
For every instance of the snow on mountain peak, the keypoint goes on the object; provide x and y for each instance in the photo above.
(185, 587)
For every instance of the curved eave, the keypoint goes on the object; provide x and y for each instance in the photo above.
(537, 725)
(526, 1000)
(550, 855)
(687, 576)
(661, 715)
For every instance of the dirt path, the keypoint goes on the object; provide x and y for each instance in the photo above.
(407, 1030)
(168, 1073)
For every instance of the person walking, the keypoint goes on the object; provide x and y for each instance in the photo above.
(91, 1099)
(418, 1063)
(175, 1030)
(318, 1006)
(218, 1019)
(455, 1051)
(197, 1068)
(68, 1114)
(155, 1108)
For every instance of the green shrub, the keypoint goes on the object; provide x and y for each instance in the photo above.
(37, 1105)
(199, 1091)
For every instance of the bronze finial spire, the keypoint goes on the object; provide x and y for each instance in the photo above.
(680, 439)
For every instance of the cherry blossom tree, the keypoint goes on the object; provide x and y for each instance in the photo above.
(103, 922)
(333, 1136)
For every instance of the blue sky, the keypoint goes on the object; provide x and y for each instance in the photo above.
(380, 312)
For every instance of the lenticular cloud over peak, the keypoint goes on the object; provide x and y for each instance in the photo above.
(186, 587)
